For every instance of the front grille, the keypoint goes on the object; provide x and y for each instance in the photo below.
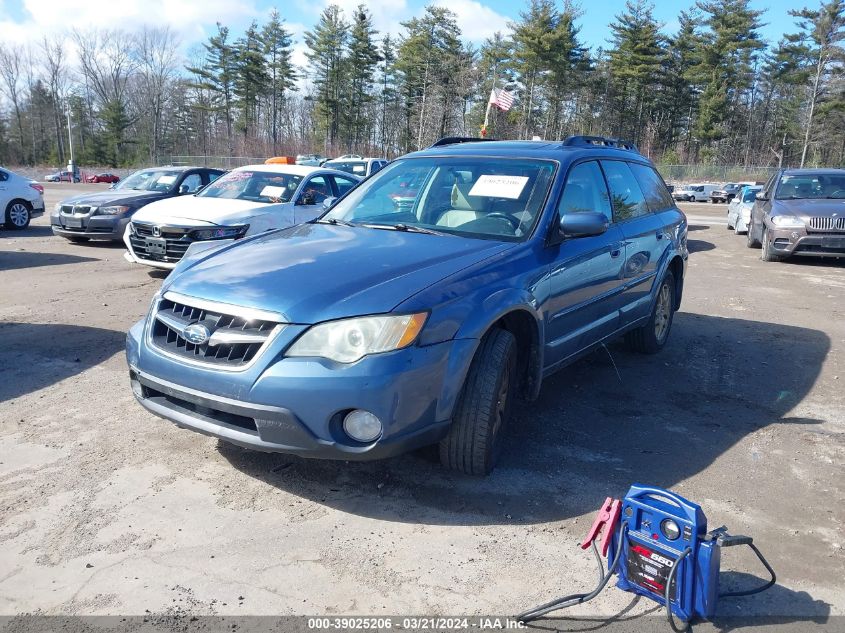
(234, 341)
(79, 209)
(827, 224)
(177, 241)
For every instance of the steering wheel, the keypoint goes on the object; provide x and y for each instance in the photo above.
(839, 193)
(504, 216)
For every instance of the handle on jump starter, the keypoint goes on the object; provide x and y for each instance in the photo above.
(638, 491)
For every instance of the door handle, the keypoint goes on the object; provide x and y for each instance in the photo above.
(660, 235)
(615, 250)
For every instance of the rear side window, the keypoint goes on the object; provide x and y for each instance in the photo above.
(656, 195)
(625, 193)
(343, 184)
(585, 191)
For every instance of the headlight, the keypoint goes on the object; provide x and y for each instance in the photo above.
(349, 340)
(220, 233)
(788, 221)
(115, 210)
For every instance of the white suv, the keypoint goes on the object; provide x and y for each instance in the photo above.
(21, 199)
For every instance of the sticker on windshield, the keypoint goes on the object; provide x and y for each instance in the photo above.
(358, 169)
(499, 186)
(166, 180)
(272, 192)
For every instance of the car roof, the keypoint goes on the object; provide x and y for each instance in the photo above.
(555, 150)
(279, 168)
(809, 170)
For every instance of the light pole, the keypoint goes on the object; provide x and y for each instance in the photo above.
(70, 166)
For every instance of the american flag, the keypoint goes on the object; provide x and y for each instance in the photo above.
(501, 98)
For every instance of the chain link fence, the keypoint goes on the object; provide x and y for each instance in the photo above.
(676, 174)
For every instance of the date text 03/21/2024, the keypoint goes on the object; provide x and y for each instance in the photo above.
(417, 623)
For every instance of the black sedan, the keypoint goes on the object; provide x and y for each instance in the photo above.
(104, 215)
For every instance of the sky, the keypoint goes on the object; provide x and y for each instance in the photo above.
(194, 20)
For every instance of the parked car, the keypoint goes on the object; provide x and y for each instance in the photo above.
(21, 199)
(310, 160)
(374, 330)
(242, 202)
(739, 209)
(725, 193)
(62, 176)
(356, 165)
(694, 193)
(105, 214)
(111, 178)
(800, 212)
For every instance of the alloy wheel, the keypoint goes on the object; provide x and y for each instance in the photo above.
(662, 312)
(19, 215)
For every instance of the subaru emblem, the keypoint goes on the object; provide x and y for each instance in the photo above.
(196, 334)
(156, 231)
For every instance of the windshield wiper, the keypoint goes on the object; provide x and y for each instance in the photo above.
(336, 222)
(408, 228)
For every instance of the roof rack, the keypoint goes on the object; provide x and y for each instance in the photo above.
(454, 140)
(601, 141)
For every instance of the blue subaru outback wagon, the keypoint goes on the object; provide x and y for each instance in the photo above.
(420, 305)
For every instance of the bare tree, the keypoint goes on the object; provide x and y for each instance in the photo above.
(55, 72)
(158, 60)
(10, 73)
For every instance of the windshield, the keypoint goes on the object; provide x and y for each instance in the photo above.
(811, 185)
(150, 180)
(491, 198)
(357, 167)
(255, 186)
(750, 195)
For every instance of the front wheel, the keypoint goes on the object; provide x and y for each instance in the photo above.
(651, 337)
(768, 253)
(474, 442)
(17, 215)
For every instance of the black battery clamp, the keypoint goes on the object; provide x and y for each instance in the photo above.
(658, 545)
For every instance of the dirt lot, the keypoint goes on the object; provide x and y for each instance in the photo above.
(105, 509)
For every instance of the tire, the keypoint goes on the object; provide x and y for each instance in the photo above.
(768, 254)
(483, 410)
(651, 337)
(18, 215)
(750, 242)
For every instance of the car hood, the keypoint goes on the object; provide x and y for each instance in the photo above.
(198, 211)
(129, 197)
(811, 207)
(318, 272)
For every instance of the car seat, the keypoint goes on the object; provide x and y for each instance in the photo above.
(465, 208)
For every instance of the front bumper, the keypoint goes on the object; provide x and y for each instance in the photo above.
(798, 242)
(103, 227)
(296, 405)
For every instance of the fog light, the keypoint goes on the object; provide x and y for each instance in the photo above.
(362, 426)
(137, 389)
(670, 529)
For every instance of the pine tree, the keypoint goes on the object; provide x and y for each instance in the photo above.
(327, 54)
(277, 43)
(250, 78)
(362, 61)
(822, 32)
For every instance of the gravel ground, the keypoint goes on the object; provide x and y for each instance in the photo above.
(105, 509)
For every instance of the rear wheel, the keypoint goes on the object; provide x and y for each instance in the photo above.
(17, 215)
(474, 442)
(651, 337)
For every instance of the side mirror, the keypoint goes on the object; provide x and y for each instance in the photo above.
(306, 199)
(328, 203)
(583, 224)
(761, 196)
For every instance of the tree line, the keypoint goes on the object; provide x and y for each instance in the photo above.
(711, 92)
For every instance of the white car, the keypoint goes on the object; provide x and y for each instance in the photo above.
(21, 199)
(695, 192)
(739, 209)
(244, 201)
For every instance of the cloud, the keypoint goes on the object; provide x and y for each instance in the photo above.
(387, 14)
(477, 21)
